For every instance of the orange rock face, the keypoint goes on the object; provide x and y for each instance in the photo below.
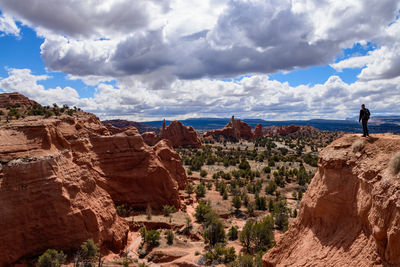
(60, 179)
(258, 131)
(150, 138)
(180, 135)
(350, 214)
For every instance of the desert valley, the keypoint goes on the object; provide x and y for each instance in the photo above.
(79, 192)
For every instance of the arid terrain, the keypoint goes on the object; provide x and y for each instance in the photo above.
(76, 192)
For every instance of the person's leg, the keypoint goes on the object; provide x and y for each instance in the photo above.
(364, 125)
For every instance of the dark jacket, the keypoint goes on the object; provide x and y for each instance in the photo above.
(364, 114)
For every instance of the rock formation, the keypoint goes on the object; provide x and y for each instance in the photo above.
(178, 134)
(142, 128)
(258, 132)
(350, 214)
(60, 179)
(235, 129)
(8, 100)
(150, 138)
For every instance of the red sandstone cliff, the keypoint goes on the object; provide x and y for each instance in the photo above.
(235, 129)
(178, 134)
(350, 214)
(258, 132)
(61, 177)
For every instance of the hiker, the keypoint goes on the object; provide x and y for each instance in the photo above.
(364, 116)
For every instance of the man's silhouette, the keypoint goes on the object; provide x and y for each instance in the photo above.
(364, 117)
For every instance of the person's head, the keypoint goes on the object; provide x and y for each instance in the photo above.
(362, 106)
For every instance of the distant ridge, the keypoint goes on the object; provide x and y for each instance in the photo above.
(376, 125)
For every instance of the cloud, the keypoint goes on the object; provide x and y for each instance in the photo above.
(24, 82)
(177, 39)
(83, 19)
(251, 97)
(8, 26)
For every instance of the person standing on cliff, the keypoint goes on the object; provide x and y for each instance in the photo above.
(364, 117)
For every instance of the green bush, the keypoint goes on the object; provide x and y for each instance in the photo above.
(214, 231)
(51, 258)
(153, 238)
(167, 210)
(201, 210)
(170, 237)
(200, 190)
(203, 173)
(233, 233)
(236, 202)
(89, 250)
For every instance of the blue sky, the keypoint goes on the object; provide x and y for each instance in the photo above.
(254, 59)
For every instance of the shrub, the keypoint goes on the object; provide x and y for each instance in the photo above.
(200, 190)
(170, 237)
(261, 203)
(214, 231)
(143, 232)
(271, 187)
(236, 202)
(167, 210)
(357, 145)
(203, 173)
(89, 250)
(201, 210)
(152, 237)
(125, 262)
(395, 163)
(233, 233)
(189, 189)
(51, 258)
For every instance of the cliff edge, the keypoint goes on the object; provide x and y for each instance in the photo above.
(350, 215)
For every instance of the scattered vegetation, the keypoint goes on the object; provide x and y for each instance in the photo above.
(51, 258)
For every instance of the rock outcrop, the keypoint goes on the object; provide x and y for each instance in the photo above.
(350, 214)
(60, 179)
(178, 134)
(258, 132)
(142, 128)
(150, 138)
(235, 129)
(8, 100)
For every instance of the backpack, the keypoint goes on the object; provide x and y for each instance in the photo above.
(367, 114)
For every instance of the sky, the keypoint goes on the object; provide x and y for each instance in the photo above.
(175, 59)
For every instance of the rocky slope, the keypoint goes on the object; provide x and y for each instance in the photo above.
(350, 214)
(61, 177)
(8, 100)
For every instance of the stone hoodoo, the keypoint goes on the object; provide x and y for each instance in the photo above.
(178, 134)
(258, 132)
(8, 100)
(60, 179)
(350, 214)
(235, 129)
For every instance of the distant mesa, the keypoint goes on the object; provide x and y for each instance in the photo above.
(350, 214)
(62, 176)
(235, 130)
(125, 123)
